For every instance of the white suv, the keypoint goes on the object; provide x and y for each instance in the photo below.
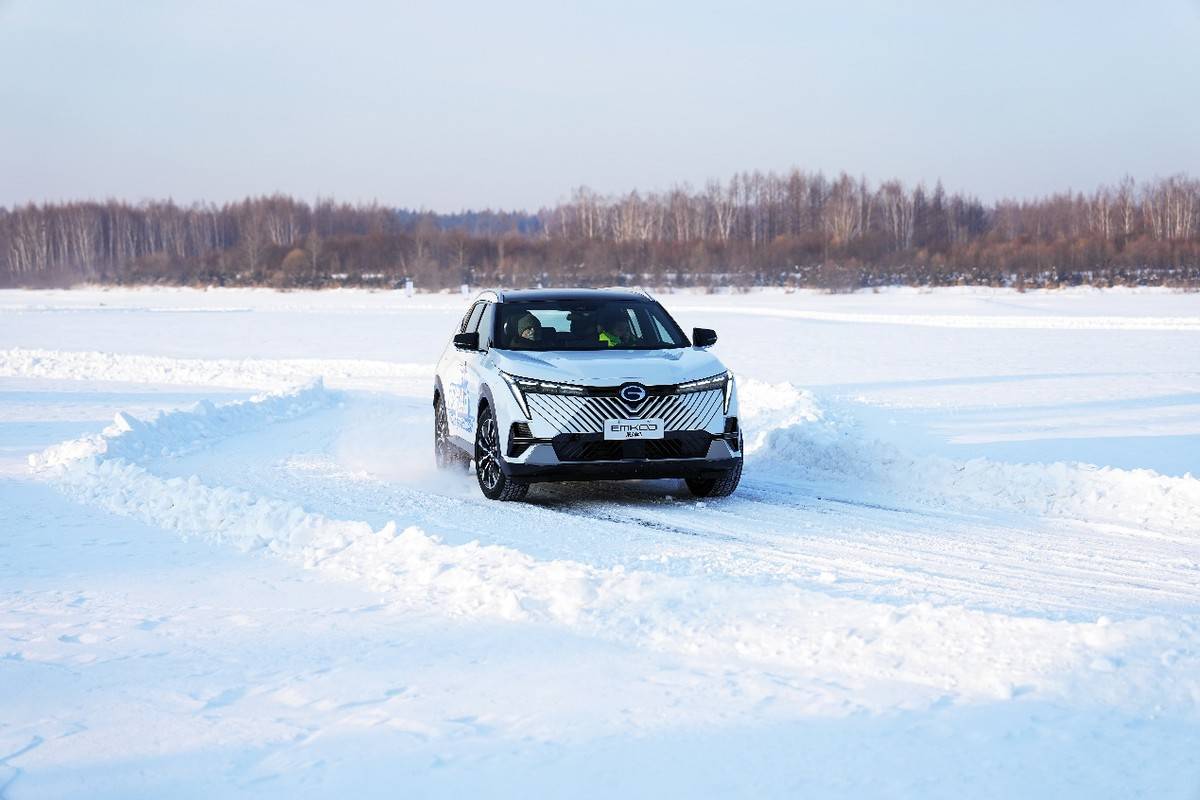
(583, 384)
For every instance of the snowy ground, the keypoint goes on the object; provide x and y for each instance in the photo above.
(964, 560)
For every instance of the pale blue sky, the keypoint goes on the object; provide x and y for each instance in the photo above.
(450, 105)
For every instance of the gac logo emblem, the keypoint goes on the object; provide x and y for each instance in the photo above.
(632, 392)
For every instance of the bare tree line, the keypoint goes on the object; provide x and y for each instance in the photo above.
(796, 228)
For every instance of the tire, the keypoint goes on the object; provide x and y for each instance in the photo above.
(445, 453)
(717, 487)
(489, 471)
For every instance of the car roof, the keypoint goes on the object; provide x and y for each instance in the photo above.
(533, 295)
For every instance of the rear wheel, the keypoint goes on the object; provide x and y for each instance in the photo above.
(717, 487)
(445, 453)
(494, 484)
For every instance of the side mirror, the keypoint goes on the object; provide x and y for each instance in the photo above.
(467, 341)
(703, 337)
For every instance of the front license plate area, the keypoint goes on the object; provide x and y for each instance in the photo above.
(623, 429)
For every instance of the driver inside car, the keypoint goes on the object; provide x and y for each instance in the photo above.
(615, 329)
(527, 327)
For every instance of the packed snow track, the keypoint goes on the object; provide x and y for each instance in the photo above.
(253, 577)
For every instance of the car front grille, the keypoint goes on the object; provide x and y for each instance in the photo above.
(679, 412)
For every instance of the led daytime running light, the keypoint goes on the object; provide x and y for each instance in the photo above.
(714, 382)
(517, 394)
(547, 387)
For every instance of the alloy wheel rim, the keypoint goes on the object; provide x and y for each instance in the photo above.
(487, 454)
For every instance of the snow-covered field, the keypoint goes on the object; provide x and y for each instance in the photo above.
(964, 560)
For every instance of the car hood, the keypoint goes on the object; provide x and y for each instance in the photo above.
(606, 367)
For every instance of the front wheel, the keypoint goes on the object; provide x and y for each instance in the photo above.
(494, 484)
(717, 487)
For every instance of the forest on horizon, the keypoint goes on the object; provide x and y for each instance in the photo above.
(757, 229)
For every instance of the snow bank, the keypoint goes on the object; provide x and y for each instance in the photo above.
(792, 435)
(176, 433)
(843, 642)
(238, 373)
(995, 655)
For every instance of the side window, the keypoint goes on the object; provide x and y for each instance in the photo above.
(471, 321)
(462, 326)
(635, 324)
(663, 336)
(486, 324)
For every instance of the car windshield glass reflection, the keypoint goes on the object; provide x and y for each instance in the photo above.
(587, 325)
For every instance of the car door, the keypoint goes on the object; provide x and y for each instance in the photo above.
(456, 384)
(476, 364)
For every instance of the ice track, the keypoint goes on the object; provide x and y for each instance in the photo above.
(278, 596)
(916, 593)
(362, 456)
(845, 579)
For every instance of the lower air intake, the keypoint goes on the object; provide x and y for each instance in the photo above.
(592, 447)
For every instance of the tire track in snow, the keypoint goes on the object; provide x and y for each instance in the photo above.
(837, 640)
(1007, 562)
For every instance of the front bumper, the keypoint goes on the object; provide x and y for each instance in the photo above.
(563, 439)
(541, 463)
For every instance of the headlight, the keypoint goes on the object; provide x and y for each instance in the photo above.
(723, 381)
(520, 386)
(547, 387)
(518, 395)
(704, 384)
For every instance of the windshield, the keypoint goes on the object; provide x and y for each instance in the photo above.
(586, 325)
